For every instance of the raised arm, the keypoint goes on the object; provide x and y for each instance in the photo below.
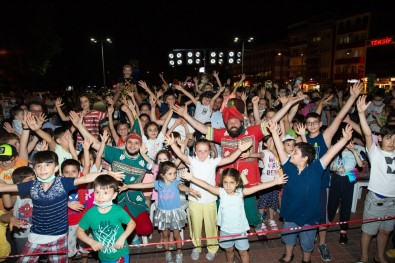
(58, 107)
(182, 111)
(336, 148)
(255, 108)
(239, 84)
(291, 101)
(280, 179)
(110, 111)
(77, 122)
(99, 154)
(332, 129)
(216, 76)
(362, 106)
(188, 176)
(216, 96)
(169, 140)
(187, 93)
(273, 127)
(35, 126)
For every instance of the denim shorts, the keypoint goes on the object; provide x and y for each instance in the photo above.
(240, 242)
(306, 236)
(378, 207)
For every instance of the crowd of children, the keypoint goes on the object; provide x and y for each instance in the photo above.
(88, 182)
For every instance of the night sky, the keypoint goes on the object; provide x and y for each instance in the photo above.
(147, 30)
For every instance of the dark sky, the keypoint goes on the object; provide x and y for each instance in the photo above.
(147, 30)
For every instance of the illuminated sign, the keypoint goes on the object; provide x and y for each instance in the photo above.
(380, 42)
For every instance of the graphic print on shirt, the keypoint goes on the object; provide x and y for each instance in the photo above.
(106, 235)
(390, 165)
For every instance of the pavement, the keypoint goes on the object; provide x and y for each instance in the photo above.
(270, 248)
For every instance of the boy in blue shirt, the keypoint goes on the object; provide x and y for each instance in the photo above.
(300, 205)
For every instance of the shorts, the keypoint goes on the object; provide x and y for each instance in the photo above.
(324, 206)
(306, 237)
(72, 241)
(240, 242)
(378, 207)
(124, 258)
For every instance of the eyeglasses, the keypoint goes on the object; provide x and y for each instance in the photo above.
(7, 162)
(314, 123)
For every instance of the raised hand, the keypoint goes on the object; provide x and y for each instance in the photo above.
(184, 174)
(8, 127)
(347, 132)
(245, 145)
(362, 106)
(272, 126)
(180, 110)
(356, 89)
(255, 100)
(58, 102)
(169, 139)
(75, 118)
(143, 148)
(300, 129)
(281, 179)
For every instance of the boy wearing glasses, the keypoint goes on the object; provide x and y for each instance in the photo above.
(321, 142)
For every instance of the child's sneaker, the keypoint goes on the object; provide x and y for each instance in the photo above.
(179, 258)
(195, 254)
(160, 245)
(273, 225)
(172, 246)
(262, 228)
(169, 257)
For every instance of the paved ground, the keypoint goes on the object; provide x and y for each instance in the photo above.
(270, 250)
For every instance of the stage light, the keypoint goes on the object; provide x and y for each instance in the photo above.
(171, 57)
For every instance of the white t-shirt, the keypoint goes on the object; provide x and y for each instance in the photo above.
(382, 176)
(203, 170)
(271, 166)
(202, 113)
(231, 215)
(374, 110)
(155, 145)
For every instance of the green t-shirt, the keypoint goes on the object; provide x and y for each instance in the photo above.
(107, 228)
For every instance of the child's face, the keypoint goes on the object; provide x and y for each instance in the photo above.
(152, 131)
(202, 151)
(206, 101)
(388, 143)
(170, 175)
(144, 120)
(70, 171)
(313, 125)
(8, 164)
(45, 170)
(226, 92)
(296, 156)
(269, 144)
(162, 158)
(123, 130)
(289, 146)
(170, 100)
(269, 115)
(145, 109)
(262, 104)
(15, 143)
(229, 184)
(104, 195)
(84, 103)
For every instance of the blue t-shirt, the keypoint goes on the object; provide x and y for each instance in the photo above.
(168, 195)
(49, 207)
(320, 149)
(301, 194)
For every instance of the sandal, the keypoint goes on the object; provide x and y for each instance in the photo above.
(282, 260)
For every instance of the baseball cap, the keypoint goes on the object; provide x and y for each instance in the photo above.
(287, 137)
(7, 151)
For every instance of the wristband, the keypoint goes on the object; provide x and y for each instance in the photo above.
(26, 129)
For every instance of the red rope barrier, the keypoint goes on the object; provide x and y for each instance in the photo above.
(219, 237)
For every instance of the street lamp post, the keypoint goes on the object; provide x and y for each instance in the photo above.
(108, 40)
(250, 39)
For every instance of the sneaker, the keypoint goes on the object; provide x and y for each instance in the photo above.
(273, 225)
(261, 228)
(136, 241)
(325, 255)
(390, 253)
(195, 254)
(179, 258)
(343, 238)
(169, 258)
(172, 246)
(210, 256)
(160, 245)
